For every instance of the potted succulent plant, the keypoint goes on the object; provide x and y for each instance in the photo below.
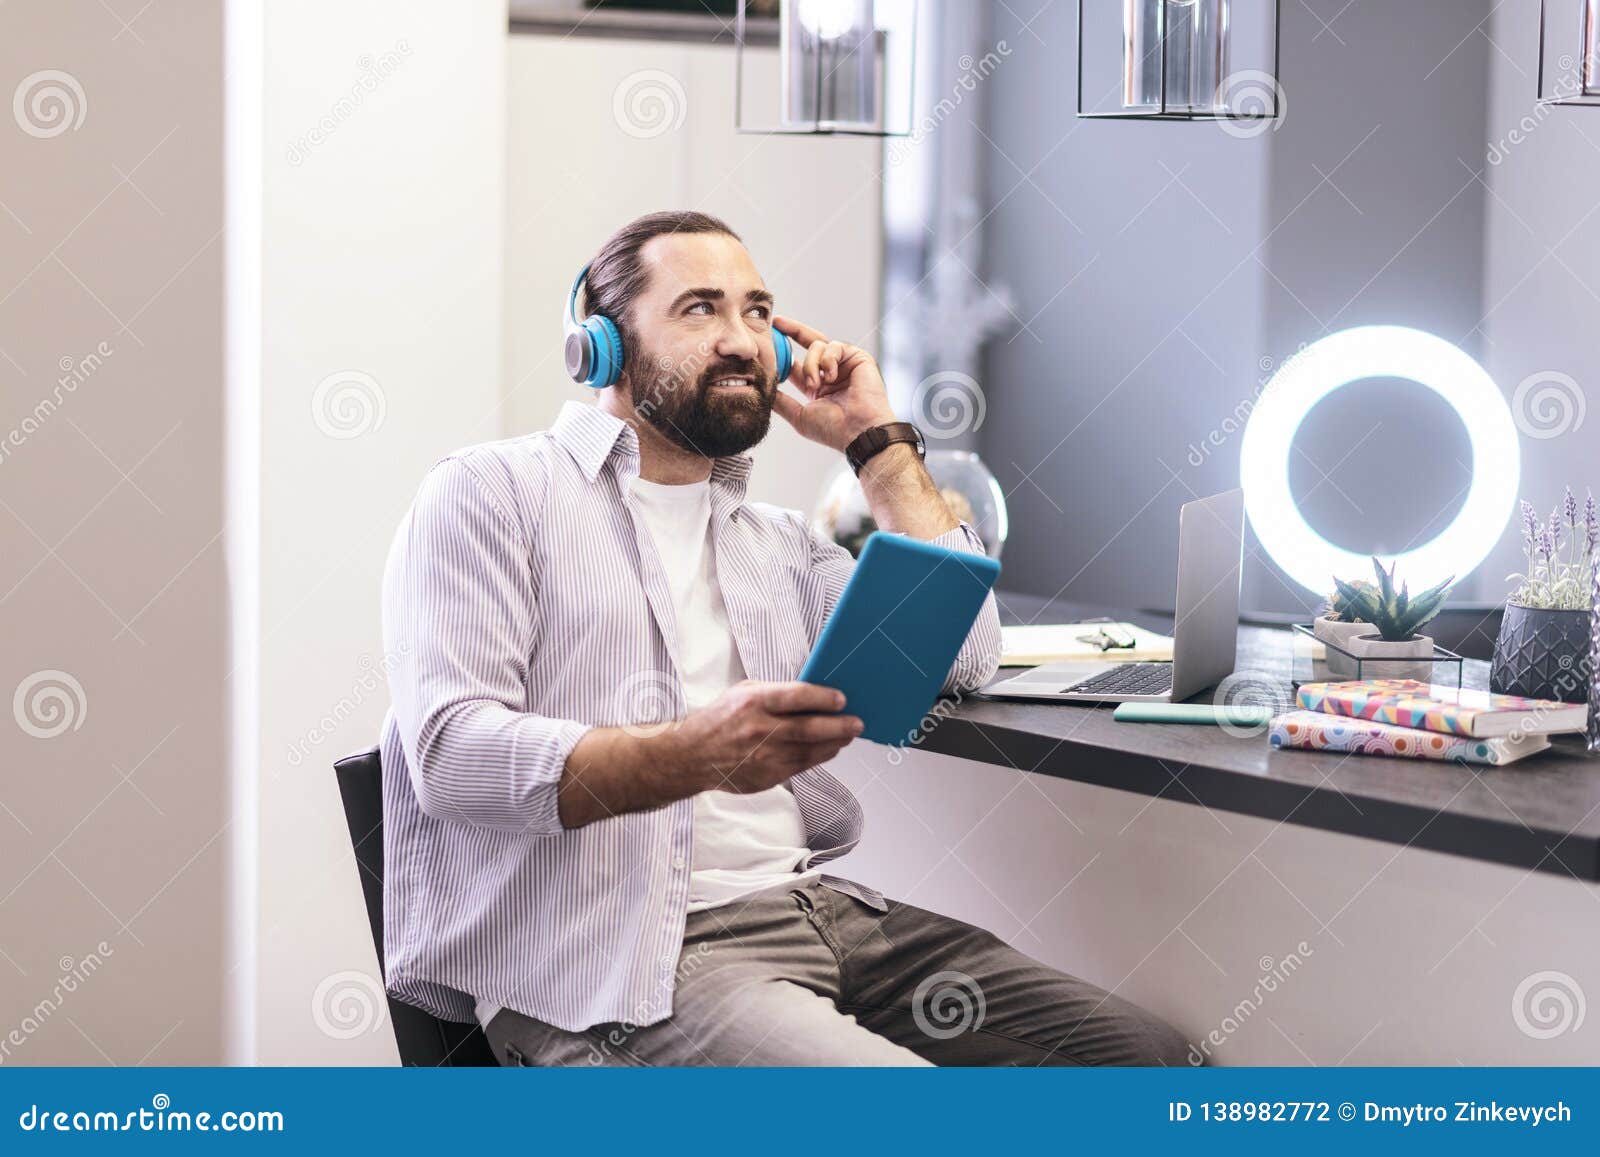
(1340, 622)
(1393, 648)
(1543, 648)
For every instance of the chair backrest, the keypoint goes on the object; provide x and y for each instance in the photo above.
(422, 1039)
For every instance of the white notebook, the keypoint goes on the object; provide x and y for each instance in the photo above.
(1036, 643)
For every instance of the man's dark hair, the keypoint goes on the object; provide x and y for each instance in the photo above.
(617, 275)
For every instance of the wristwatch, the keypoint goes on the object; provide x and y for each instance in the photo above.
(869, 443)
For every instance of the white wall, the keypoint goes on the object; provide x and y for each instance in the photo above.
(385, 221)
(382, 240)
(578, 168)
(113, 808)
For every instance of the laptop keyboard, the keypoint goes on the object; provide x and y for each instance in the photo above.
(1128, 679)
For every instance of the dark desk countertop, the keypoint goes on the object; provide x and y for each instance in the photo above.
(1542, 813)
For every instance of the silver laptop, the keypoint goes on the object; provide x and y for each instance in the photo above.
(1205, 631)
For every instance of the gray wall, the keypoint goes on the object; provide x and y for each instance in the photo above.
(1128, 247)
(1376, 216)
(1195, 262)
(1542, 286)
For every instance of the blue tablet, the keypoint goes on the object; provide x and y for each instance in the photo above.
(896, 631)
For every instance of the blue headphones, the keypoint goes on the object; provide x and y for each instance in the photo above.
(593, 346)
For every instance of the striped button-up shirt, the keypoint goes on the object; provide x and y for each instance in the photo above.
(523, 604)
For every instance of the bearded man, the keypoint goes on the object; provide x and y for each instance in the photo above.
(605, 803)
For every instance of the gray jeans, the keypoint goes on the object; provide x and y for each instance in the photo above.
(809, 976)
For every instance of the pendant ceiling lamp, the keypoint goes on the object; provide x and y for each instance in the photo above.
(1569, 52)
(840, 66)
(1179, 60)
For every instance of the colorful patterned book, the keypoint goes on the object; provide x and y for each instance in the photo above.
(1318, 732)
(1410, 703)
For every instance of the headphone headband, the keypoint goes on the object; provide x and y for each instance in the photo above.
(569, 319)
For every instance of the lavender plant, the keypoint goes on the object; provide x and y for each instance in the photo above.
(1562, 554)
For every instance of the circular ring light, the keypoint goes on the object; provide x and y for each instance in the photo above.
(1378, 351)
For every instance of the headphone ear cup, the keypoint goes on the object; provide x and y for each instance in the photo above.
(605, 342)
(785, 355)
(578, 353)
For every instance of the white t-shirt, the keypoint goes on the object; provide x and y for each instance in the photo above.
(742, 843)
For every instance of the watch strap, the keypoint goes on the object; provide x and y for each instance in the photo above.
(871, 442)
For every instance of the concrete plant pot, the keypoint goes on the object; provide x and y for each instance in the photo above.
(1381, 659)
(1542, 654)
(1336, 635)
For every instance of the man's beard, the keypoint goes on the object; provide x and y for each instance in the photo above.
(714, 422)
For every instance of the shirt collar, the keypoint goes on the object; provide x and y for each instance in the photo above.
(593, 437)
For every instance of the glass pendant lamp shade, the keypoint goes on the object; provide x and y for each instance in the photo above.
(1186, 74)
(840, 66)
(1569, 52)
(1591, 48)
(1178, 59)
(826, 50)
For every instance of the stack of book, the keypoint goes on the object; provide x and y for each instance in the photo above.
(1410, 719)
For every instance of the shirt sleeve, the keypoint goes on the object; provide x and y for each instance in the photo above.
(460, 615)
(979, 657)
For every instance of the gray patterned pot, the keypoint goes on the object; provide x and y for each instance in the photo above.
(1594, 664)
(1542, 654)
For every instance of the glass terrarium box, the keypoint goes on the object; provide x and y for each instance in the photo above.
(1322, 660)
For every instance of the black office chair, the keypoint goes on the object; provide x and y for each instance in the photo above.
(422, 1039)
